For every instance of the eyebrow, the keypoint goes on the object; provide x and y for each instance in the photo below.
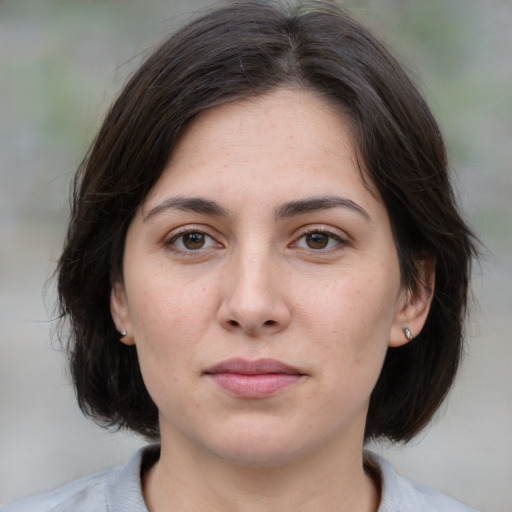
(188, 204)
(314, 204)
(289, 209)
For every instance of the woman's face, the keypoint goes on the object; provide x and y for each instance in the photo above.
(261, 284)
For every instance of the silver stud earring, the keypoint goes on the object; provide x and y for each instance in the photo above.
(123, 334)
(408, 333)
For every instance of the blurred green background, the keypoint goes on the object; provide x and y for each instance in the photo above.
(61, 63)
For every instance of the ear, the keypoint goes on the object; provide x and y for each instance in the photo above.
(414, 305)
(120, 312)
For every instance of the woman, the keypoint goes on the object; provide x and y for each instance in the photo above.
(265, 268)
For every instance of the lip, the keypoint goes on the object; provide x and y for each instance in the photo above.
(253, 379)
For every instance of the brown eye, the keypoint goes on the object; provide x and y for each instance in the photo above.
(317, 240)
(191, 241)
(194, 241)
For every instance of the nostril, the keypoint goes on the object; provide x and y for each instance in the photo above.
(270, 322)
(233, 323)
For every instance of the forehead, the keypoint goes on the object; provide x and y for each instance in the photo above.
(287, 142)
(279, 120)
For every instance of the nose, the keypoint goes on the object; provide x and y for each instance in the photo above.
(253, 300)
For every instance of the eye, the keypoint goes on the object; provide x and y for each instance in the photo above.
(318, 240)
(191, 241)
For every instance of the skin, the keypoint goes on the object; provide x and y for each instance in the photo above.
(318, 289)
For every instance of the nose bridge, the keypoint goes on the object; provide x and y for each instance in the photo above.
(254, 267)
(253, 297)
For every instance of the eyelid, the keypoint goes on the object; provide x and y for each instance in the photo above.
(322, 228)
(334, 233)
(176, 233)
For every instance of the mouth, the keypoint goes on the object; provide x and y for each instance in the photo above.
(253, 379)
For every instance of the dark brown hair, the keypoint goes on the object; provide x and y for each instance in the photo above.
(241, 50)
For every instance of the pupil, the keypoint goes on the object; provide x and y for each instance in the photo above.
(193, 240)
(317, 240)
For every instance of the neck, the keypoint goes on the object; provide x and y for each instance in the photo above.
(311, 483)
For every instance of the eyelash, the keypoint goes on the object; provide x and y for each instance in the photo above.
(173, 239)
(321, 231)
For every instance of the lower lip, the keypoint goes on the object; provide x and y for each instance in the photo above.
(254, 386)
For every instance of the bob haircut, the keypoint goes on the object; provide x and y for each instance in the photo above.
(238, 51)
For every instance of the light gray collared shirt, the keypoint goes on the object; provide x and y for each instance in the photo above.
(119, 490)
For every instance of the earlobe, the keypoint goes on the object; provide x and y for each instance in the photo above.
(413, 307)
(407, 332)
(120, 313)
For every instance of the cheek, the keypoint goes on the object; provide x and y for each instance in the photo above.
(350, 320)
(354, 303)
(168, 316)
(169, 320)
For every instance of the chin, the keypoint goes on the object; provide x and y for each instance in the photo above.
(259, 448)
(258, 456)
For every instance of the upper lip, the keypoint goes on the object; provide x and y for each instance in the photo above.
(257, 367)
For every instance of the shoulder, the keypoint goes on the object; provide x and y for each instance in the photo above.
(77, 495)
(112, 490)
(401, 495)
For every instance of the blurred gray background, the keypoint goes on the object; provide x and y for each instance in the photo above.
(61, 63)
